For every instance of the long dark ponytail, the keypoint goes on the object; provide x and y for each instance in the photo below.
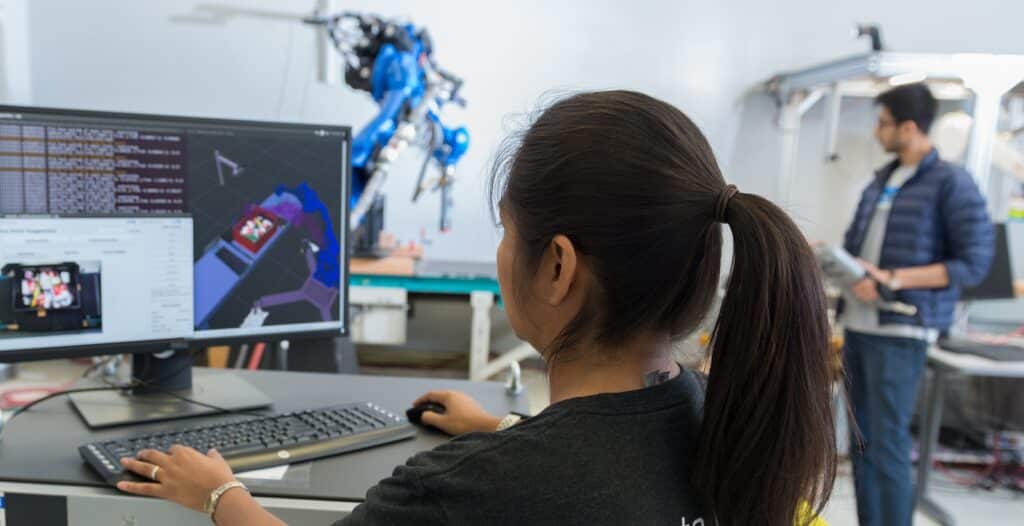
(634, 185)
(767, 440)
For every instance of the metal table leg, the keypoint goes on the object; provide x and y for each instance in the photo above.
(7, 371)
(935, 512)
(929, 438)
(345, 355)
(480, 335)
(481, 367)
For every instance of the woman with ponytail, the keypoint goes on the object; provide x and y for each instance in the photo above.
(613, 208)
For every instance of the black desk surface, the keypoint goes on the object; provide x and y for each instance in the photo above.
(41, 445)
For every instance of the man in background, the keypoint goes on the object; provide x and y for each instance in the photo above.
(921, 230)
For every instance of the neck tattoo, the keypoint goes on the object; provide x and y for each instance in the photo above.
(656, 377)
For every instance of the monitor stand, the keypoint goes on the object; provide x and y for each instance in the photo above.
(168, 378)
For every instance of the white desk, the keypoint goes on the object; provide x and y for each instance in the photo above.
(945, 364)
(389, 296)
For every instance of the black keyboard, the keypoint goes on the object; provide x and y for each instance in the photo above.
(262, 442)
(999, 353)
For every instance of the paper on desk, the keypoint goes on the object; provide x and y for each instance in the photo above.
(274, 473)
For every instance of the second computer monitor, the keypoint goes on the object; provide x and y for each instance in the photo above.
(998, 283)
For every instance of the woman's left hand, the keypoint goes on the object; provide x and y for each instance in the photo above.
(183, 475)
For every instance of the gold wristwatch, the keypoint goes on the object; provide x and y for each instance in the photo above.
(510, 420)
(215, 495)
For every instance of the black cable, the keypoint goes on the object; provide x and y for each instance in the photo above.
(220, 410)
(135, 382)
(87, 372)
(99, 365)
(154, 385)
(64, 392)
(37, 401)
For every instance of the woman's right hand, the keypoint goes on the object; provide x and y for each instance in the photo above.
(462, 413)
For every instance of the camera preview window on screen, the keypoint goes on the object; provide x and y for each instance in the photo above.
(49, 297)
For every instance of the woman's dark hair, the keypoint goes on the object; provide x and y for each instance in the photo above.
(910, 102)
(633, 183)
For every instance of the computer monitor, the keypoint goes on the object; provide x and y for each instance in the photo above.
(998, 283)
(142, 233)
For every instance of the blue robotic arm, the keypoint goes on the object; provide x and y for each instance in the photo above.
(451, 145)
(394, 63)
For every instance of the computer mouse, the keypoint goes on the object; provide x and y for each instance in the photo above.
(415, 413)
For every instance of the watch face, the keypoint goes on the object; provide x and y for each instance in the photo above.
(215, 495)
(509, 421)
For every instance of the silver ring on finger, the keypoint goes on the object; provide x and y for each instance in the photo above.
(152, 475)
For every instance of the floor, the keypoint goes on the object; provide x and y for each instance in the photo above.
(967, 507)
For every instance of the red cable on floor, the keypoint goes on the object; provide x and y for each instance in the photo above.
(20, 396)
(985, 473)
(12, 398)
(257, 356)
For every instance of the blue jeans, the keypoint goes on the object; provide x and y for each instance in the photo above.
(883, 374)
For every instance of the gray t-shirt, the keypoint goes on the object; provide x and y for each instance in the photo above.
(863, 317)
(608, 459)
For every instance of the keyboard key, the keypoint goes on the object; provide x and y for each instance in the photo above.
(241, 449)
(305, 435)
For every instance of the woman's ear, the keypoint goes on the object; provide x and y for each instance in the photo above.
(560, 269)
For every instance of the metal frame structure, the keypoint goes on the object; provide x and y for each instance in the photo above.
(987, 78)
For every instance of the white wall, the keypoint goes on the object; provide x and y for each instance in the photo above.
(15, 73)
(154, 56)
(824, 194)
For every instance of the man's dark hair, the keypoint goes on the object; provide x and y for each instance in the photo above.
(910, 102)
